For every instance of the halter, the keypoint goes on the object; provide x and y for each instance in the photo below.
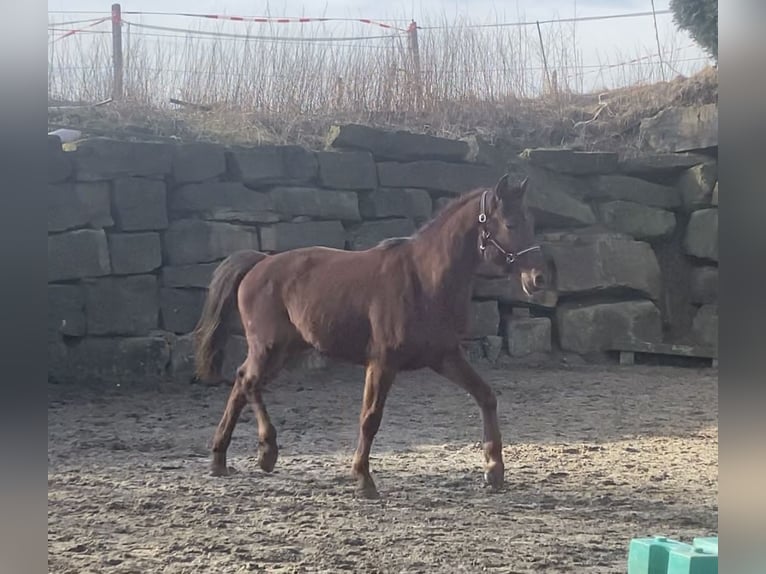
(486, 237)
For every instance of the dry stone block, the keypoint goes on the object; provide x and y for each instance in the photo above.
(242, 217)
(508, 290)
(216, 195)
(318, 203)
(140, 204)
(192, 241)
(493, 346)
(702, 234)
(233, 356)
(102, 159)
(195, 275)
(271, 164)
(133, 253)
(714, 198)
(704, 285)
(60, 166)
(484, 319)
(572, 162)
(705, 326)
(528, 336)
(397, 145)
(287, 236)
(604, 264)
(66, 311)
(78, 254)
(552, 206)
(661, 163)
(438, 176)
(625, 188)
(122, 305)
(370, 233)
(181, 308)
(347, 170)
(73, 205)
(182, 358)
(696, 186)
(681, 129)
(638, 221)
(197, 162)
(413, 203)
(592, 328)
(483, 152)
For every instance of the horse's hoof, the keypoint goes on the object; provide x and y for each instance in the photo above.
(494, 478)
(222, 471)
(267, 458)
(368, 492)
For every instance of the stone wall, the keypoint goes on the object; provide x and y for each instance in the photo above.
(136, 229)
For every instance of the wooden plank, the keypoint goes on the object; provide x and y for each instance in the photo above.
(665, 349)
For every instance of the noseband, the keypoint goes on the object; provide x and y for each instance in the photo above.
(486, 237)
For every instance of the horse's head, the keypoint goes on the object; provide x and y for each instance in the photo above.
(507, 234)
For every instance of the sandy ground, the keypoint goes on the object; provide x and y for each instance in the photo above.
(594, 456)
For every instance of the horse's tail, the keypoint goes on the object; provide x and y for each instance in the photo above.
(212, 330)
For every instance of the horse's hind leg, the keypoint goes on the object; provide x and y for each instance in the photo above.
(222, 437)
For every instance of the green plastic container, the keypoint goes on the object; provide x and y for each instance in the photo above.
(692, 561)
(708, 544)
(652, 555)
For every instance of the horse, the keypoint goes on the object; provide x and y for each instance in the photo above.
(401, 305)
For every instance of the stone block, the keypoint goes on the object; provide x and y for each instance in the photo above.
(526, 336)
(140, 204)
(234, 355)
(370, 233)
(638, 221)
(133, 253)
(66, 311)
(60, 165)
(272, 164)
(193, 241)
(508, 290)
(593, 328)
(625, 188)
(701, 238)
(412, 203)
(347, 170)
(287, 236)
(396, 145)
(181, 308)
(493, 346)
(197, 162)
(73, 205)
(714, 198)
(317, 203)
(553, 201)
(696, 186)
(600, 264)
(661, 163)
(484, 319)
(216, 195)
(242, 217)
(473, 349)
(182, 358)
(122, 305)
(704, 285)
(452, 178)
(680, 129)
(78, 254)
(100, 159)
(705, 326)
(483, 152)
(196, 275)
(572, 162)
(440, 203)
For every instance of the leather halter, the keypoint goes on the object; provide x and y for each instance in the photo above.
(486, 237)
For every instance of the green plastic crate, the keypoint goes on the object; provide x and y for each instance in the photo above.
(651, 555)
(708, 544)
(692, 561)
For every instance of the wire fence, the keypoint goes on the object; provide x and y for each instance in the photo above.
(307, 64)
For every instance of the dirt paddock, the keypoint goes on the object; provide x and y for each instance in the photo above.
(594, 456)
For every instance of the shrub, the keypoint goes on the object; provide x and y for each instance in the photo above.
(700, 19)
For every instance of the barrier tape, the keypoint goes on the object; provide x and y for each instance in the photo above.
(282, 20)
(73, 32)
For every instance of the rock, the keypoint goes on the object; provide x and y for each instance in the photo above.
(592, 328)
(508, 290)
(696, 186)
(636, 220)
(122, 305)
(528, 336)
(701, 238)
(140, 204)
(182, 358)
(474, 350)
(482, 152)
(195, 275)
(60, 166)
(714, 198)
(396, 145)
(347, 170)
(681, 129)
(193, 241)
(552, 206)
(78, 254)
(272, 164)
(73, 205)
(412, 203)
(572, 162)
(439, 176)
(197, 162)
(368, 234)
(440, 203)
(219, 195)
(181, 308)
(493, 346)
(100, 159)
(602, 264)
(704, 285)
(234, 355)
(242, 217)
(484, 319)
(661, 163)
(318, 203)
(705, 326)
(133, 253)
(621, 187)
(66, 311)
(287, 236)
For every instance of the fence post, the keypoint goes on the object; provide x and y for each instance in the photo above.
(117, 62)
(412, 43)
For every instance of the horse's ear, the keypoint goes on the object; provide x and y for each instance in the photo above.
(510, 193)
(502, 189)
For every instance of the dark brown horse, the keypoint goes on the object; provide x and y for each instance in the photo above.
(402, 305)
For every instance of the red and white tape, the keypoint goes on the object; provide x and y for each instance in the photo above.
(268, 20)
(73, 32)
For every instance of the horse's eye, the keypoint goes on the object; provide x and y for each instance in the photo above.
(510, 225)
